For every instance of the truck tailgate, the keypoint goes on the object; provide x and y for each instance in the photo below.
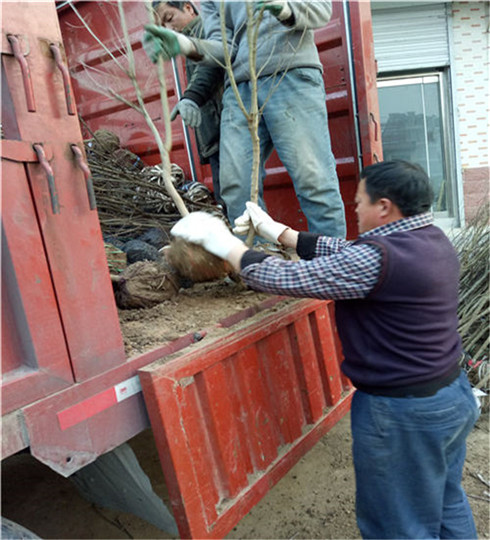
(231, 417)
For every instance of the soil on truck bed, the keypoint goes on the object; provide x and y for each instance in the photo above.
(192, 310)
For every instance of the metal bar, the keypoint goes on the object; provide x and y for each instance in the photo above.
(70, 105)
(186, 129)
(26, 74)
(352, 82)
(53, 192)
(63, 4)
(86, 173)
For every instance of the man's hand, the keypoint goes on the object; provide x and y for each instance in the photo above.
(279, 8)
(190, 112)
(208, 231)
(159, 41)
(263, 224)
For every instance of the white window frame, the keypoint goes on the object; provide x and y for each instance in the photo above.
(442, 219)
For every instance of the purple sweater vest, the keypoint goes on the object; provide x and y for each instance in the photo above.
(404, 334)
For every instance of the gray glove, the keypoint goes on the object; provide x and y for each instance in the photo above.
(190, 112)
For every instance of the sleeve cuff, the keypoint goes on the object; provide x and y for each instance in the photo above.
(194, 96)
(252, 257)
(306, 247)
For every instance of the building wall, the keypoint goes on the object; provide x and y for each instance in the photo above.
(471, 51)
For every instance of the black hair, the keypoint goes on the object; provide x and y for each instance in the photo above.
(178, 5)
(405, 184)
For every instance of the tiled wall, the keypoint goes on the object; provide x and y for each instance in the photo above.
(471, 64)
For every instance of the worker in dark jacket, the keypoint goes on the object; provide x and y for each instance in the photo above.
(396, 293)
(200, 105)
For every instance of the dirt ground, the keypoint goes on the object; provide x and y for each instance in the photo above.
(315, 499)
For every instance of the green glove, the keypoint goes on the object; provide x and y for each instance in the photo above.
(279, 8)
(159, 41)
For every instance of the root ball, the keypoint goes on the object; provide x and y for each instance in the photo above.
(194, 262)
(145, 284)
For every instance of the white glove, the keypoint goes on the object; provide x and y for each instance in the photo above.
(190, 112)
(279, 8)
(263, 224)
(208, 231)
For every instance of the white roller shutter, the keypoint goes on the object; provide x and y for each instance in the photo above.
(410, 37)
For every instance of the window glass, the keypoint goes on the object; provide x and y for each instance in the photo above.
(435, 145)
(411, 124)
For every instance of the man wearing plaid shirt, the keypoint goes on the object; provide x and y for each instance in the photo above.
(396, 296)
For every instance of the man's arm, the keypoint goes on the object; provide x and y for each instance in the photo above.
(305, 15)
(204, 83)
(310, 15)
(211, 49)
(351, 273)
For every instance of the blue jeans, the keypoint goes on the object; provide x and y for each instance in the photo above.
(294, 122)
(408, 459)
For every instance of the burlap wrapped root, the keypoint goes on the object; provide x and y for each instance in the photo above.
(145, 284)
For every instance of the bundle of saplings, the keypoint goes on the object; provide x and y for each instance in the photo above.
(473, 246)
(136, 214)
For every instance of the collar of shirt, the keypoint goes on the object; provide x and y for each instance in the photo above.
(405, 224)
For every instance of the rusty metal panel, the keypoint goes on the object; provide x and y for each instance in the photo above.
(35, 361)
(35, 74)
(232, 416)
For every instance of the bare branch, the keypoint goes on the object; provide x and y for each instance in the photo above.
(130, 72)
(106, 49)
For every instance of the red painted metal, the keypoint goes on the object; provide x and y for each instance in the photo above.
(82, 164)
(34, 354)
(24, 68)
(365, 80)
(66, 445)
(60, 64)
(232, 416)
(70, 231)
